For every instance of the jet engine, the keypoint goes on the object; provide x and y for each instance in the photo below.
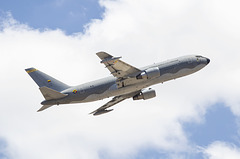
(149, 73)
(145, 94)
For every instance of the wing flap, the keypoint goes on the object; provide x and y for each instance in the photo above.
(49, 93)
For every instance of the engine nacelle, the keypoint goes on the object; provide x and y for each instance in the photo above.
(149, 73)
(145, 94)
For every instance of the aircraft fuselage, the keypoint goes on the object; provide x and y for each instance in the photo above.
(112, 86)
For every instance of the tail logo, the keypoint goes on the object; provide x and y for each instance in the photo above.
(74, 91)
(48, 81)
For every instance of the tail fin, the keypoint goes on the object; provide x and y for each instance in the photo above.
(44, 80)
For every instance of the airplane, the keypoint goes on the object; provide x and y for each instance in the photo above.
(126, 82)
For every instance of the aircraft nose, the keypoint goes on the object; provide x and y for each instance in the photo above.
(208, 60)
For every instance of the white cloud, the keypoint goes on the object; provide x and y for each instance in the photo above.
(143, 33)
(222, 150)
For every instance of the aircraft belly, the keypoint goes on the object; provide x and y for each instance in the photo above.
(95, 97)
(113, 92)
(105, 93)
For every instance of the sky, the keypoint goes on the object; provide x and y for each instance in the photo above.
(68, 15)
(197, 116)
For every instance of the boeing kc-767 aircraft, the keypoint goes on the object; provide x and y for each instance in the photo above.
(127, 82)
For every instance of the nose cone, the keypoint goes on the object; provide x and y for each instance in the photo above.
(208, 60)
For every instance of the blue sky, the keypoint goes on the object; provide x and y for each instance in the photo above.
(70, 15)
(219, 124)
(192, 117)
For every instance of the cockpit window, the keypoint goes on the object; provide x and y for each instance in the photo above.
(198, 56)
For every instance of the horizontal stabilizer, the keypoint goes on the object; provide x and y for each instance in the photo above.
(44, 107)
(49, 93)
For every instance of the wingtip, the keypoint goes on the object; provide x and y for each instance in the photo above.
(100, 52)
(39, 110)
(99, 112)
(93, 112)
(102, 55)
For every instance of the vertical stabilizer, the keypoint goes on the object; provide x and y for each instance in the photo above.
(44, 80)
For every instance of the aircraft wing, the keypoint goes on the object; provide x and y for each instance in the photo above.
(115, 100)
(117, 67)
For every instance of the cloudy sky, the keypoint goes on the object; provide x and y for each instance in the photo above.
(197, 116)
